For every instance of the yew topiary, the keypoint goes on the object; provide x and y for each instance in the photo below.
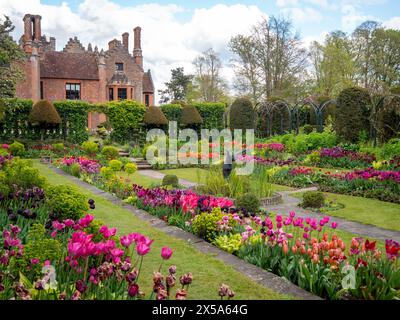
(155, 117)
(190, 116)
(241, 114)
(352, 114)
(45, 115)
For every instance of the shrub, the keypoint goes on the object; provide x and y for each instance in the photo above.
(58, 147)
(248, 201)
(230, 243)
(155, 117)
(241, 114)
(308, 128)
(313, 199)
(170, 180)
(205, 224)
(110, 152)
(115, 165)
(90, 147)
(126, 119)
(75, 170)
(353, 106)
(130, 168)
(172, 111)
(391, 149)
(190, 116)
(106, 172)
(212, 114)
(21, 174)
(17, 149)
(45, 115)
(66, 202)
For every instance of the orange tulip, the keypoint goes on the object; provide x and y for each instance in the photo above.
(294, 249)
(285, 248)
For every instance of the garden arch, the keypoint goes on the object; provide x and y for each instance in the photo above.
(267, 109)
(318, 109)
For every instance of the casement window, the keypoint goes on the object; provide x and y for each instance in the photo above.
(147, 100)
(41, 90)
(73, 91)
(111, 94)
(122, 94)
(119, 66)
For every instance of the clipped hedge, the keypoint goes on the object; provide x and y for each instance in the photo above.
(154, 116)
(126, 119)
(241, 114)
(172, 111)
(15, 124)
(212, 114)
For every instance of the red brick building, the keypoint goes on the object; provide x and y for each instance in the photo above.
(79, 73)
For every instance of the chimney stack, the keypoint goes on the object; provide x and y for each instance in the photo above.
(137, 49)
(125, 40)
(37, 28)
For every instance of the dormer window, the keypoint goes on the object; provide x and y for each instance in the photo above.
(119, 66)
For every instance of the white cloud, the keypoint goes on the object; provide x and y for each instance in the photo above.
(306, 15)
(166, 42)
(285, 3)
(393, 23)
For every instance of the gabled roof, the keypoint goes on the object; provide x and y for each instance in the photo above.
(148, 85)
(67, 65)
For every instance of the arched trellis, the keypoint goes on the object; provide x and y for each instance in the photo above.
(374, 114)
(266, 111)
(319, 110)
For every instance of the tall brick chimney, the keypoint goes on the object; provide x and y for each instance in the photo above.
(32, 31)
(137, 49)
(125, 40)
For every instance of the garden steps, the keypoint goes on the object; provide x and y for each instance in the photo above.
(257, 274)
(291, 204)
(141, 163)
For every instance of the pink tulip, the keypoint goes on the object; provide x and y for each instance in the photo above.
(142, 249)
(334, 225)
(166, 253)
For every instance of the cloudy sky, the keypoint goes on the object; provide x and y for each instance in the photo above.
(174, 32)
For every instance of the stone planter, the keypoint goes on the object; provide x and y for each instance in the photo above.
(45, 159)
(276, 198)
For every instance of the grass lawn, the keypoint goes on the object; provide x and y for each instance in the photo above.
(139, 179)
(198, 175)
(368, 211)
(208, 272)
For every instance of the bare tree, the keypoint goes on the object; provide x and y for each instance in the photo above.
(208, 79)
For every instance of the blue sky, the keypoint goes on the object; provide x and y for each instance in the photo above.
(320, 15)
(174, 33)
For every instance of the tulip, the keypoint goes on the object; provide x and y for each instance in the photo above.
(172, 269)
(142, 249)
(334, 225)
(133, 290)
(166, 253)
(181, 294)
(81, 286)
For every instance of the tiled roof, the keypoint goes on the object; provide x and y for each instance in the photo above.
(148, 82)
(66, 65)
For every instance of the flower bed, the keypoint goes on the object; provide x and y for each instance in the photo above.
(46, 257)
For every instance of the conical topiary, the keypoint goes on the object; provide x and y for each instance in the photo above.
(155, 116)
(44, 113)
(190, 115)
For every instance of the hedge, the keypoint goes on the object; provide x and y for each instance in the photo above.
(15, 124)
(212, 113)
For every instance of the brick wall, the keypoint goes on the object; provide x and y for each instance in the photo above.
(54, 89)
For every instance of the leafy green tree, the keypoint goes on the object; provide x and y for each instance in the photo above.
(178, 87)
(10, 55)
(333, 64)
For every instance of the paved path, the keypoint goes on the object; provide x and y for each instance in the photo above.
(257, 274)
(158, 175)
(291, 204)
